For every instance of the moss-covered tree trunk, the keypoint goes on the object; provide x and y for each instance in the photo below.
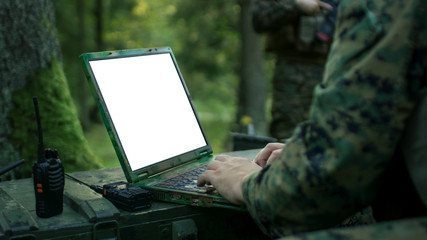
(30, 65)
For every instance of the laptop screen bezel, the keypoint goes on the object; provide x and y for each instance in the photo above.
(145, 172)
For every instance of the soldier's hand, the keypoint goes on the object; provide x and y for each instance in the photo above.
(312, 7)
(269, 153)
(226, 174)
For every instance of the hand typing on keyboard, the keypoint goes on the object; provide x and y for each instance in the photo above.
(226, 174)
(188, 181)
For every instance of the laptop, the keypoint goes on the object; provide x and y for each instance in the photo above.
(152, 123)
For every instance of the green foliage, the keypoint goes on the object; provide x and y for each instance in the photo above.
(101, 144)
(204, 38)
(61, 128)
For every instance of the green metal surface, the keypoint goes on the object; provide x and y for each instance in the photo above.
(88, 215)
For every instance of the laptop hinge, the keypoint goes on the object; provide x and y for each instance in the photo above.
(140, 177)
(204, 153)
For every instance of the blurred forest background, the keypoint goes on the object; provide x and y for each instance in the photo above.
(212, 42)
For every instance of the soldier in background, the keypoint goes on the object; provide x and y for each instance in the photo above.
(299, 35)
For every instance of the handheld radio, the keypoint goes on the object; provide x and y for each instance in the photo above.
(48, 176)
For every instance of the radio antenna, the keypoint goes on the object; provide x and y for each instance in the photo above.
(40, 157)
(11, 166)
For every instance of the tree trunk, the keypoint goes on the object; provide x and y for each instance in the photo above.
(253, 85)
(30, 66)
(99, 10)
(82, 86)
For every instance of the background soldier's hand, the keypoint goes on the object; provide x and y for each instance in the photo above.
(312, 7)
(269, 153)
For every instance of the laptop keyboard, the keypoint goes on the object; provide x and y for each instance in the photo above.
(187, 181)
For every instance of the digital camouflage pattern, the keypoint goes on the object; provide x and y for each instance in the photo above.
(300, 59)
(397, 230)
(293, 85)
(333, 163)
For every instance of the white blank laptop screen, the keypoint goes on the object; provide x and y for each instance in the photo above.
(149, 107)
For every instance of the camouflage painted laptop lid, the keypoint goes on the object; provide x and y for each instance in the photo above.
(146, 108)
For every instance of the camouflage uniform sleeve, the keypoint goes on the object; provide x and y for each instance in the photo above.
(330, 167)
(271, 15)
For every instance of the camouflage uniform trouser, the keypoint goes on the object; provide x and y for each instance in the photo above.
(412, 228)
(293, 85)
